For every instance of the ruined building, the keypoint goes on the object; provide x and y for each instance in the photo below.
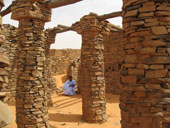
(139, 68)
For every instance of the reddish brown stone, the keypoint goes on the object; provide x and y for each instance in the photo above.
(158, 30)
(156, 73)
(129, 79)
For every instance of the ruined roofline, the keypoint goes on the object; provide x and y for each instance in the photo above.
(62, 28)
(60, 3)
(110, 15)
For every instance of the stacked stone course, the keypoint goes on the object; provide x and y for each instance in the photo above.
(113, 59)
(5, 117)
(73, 70)
(144, 97)
(31, 90)
(61, 59)
(92, 68)
(9, 48)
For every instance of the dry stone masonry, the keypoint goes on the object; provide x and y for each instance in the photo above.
(92, 68)
(144, 97)
(113, 59)
(9, 48)
(50, 81)
(5, 113)
(62, 58)
(31, 94)
(73, 70)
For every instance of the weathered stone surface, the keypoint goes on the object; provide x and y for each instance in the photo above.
(135, 71)
(4, 61)
(149, 14)
(129, 79)
(144, 97)
(5, 115)
(92, 68)
(136, 23)
(31, 60)
(147, 9)
(131, 13)
(62, 59)
(156, 67)
(148, 50)
(113, 59)
(158, 30)
(131, 58)
(156, 73)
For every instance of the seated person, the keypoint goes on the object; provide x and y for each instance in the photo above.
(69, 87)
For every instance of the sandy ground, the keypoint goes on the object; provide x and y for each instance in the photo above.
(66, 111)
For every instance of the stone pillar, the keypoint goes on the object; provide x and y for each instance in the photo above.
(144, 98)
(92, 69)
(31, 94)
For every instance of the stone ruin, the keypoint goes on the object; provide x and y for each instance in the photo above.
(73, 70)
(61, 59)
(113, 59)
(144, 96)
(9, 47)
(141, 63)
(5, 116)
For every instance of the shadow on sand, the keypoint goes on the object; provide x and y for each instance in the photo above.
(66, 101)
(58, 117)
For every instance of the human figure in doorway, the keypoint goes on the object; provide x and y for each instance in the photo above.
(69, 87)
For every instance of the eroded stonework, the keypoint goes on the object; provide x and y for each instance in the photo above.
(113, 59)
(31, 90)
(61, 59)
(9, 48)
(92, 80)
(144, 97)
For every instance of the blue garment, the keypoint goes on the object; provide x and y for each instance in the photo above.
(69, 90)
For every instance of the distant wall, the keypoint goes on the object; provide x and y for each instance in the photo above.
(61, 59)
(113, 57)
(9, 48)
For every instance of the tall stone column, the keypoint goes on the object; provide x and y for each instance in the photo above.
(31, 94)
(144, 98)
(92, 69)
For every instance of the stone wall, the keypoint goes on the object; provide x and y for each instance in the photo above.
(73, 70)
(6, 115)
(61, 59)
(9, 48)
(113, 59)
(144, 97)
